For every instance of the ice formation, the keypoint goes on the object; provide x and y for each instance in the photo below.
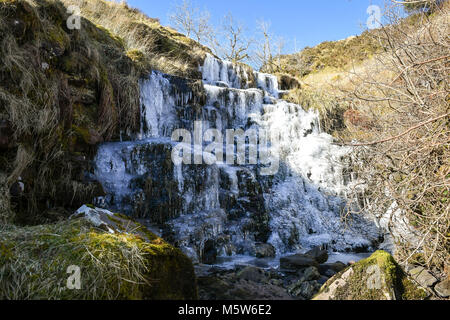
(233, 206)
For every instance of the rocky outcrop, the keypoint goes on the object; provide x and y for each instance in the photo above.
(377, 278)
(243, 283)
(296, 262)
(443, 289)
(265, 250)
(423, 277)
(117, 258)
(314, 257)
(319, 254)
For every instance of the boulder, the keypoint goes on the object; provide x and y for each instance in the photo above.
(378, 277)
(265, 250)
(252, 274)
(322, 280)
(117, 258)
(297, 262)
(319, 254)
(334, 267)
(304, 289)
(443, 288)
(247, 284)
(209, 254)
(423, 277)
(312, 273)
(330, 273)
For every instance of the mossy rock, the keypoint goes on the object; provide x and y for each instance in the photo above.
(378, 277)
(118, 259)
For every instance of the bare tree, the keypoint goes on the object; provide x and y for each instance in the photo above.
(236, 44)
(269, 48)
(403, 158)
(191, 21)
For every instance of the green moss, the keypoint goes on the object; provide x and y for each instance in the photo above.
(410, 291)
(391, 281)
(114, 266)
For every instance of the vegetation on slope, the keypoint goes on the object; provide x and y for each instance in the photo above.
(63, 91)
(396, 104)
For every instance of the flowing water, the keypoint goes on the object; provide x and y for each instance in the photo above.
(232, 208)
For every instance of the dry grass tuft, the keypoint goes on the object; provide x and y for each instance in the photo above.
(34, 262)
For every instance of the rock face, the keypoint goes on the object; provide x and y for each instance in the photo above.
(376, 278)
(117, 257)
(423, 277)
(248, 283)
(443, 288)
(319, 254)
(265, 250)
(332, 267)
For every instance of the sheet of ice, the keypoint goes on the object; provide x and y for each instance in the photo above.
(223, 73)
(303, 201)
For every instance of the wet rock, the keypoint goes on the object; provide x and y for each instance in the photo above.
(304, 289)
(297, 261)
(252, 274)
(443, 288)
(248, 283)
(335, 267)
(319, 254)
(330, 273)
(209, 255)
(312, 273)
(423, 277)
(322, 280)
(265, 250)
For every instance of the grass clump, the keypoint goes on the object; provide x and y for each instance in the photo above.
(34, 263)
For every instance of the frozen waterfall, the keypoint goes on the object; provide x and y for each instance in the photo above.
(233, 206)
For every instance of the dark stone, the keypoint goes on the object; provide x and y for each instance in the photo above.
(209, 254)
(252, 274)
(335, 267)
(311, 274)
(319, 254)
(322, 280)
(297, 261)
(423, 277)
(265, 250)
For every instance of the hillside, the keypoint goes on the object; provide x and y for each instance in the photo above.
(63, 91)
(386, 92)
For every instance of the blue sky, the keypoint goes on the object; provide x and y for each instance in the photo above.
(300, 22)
